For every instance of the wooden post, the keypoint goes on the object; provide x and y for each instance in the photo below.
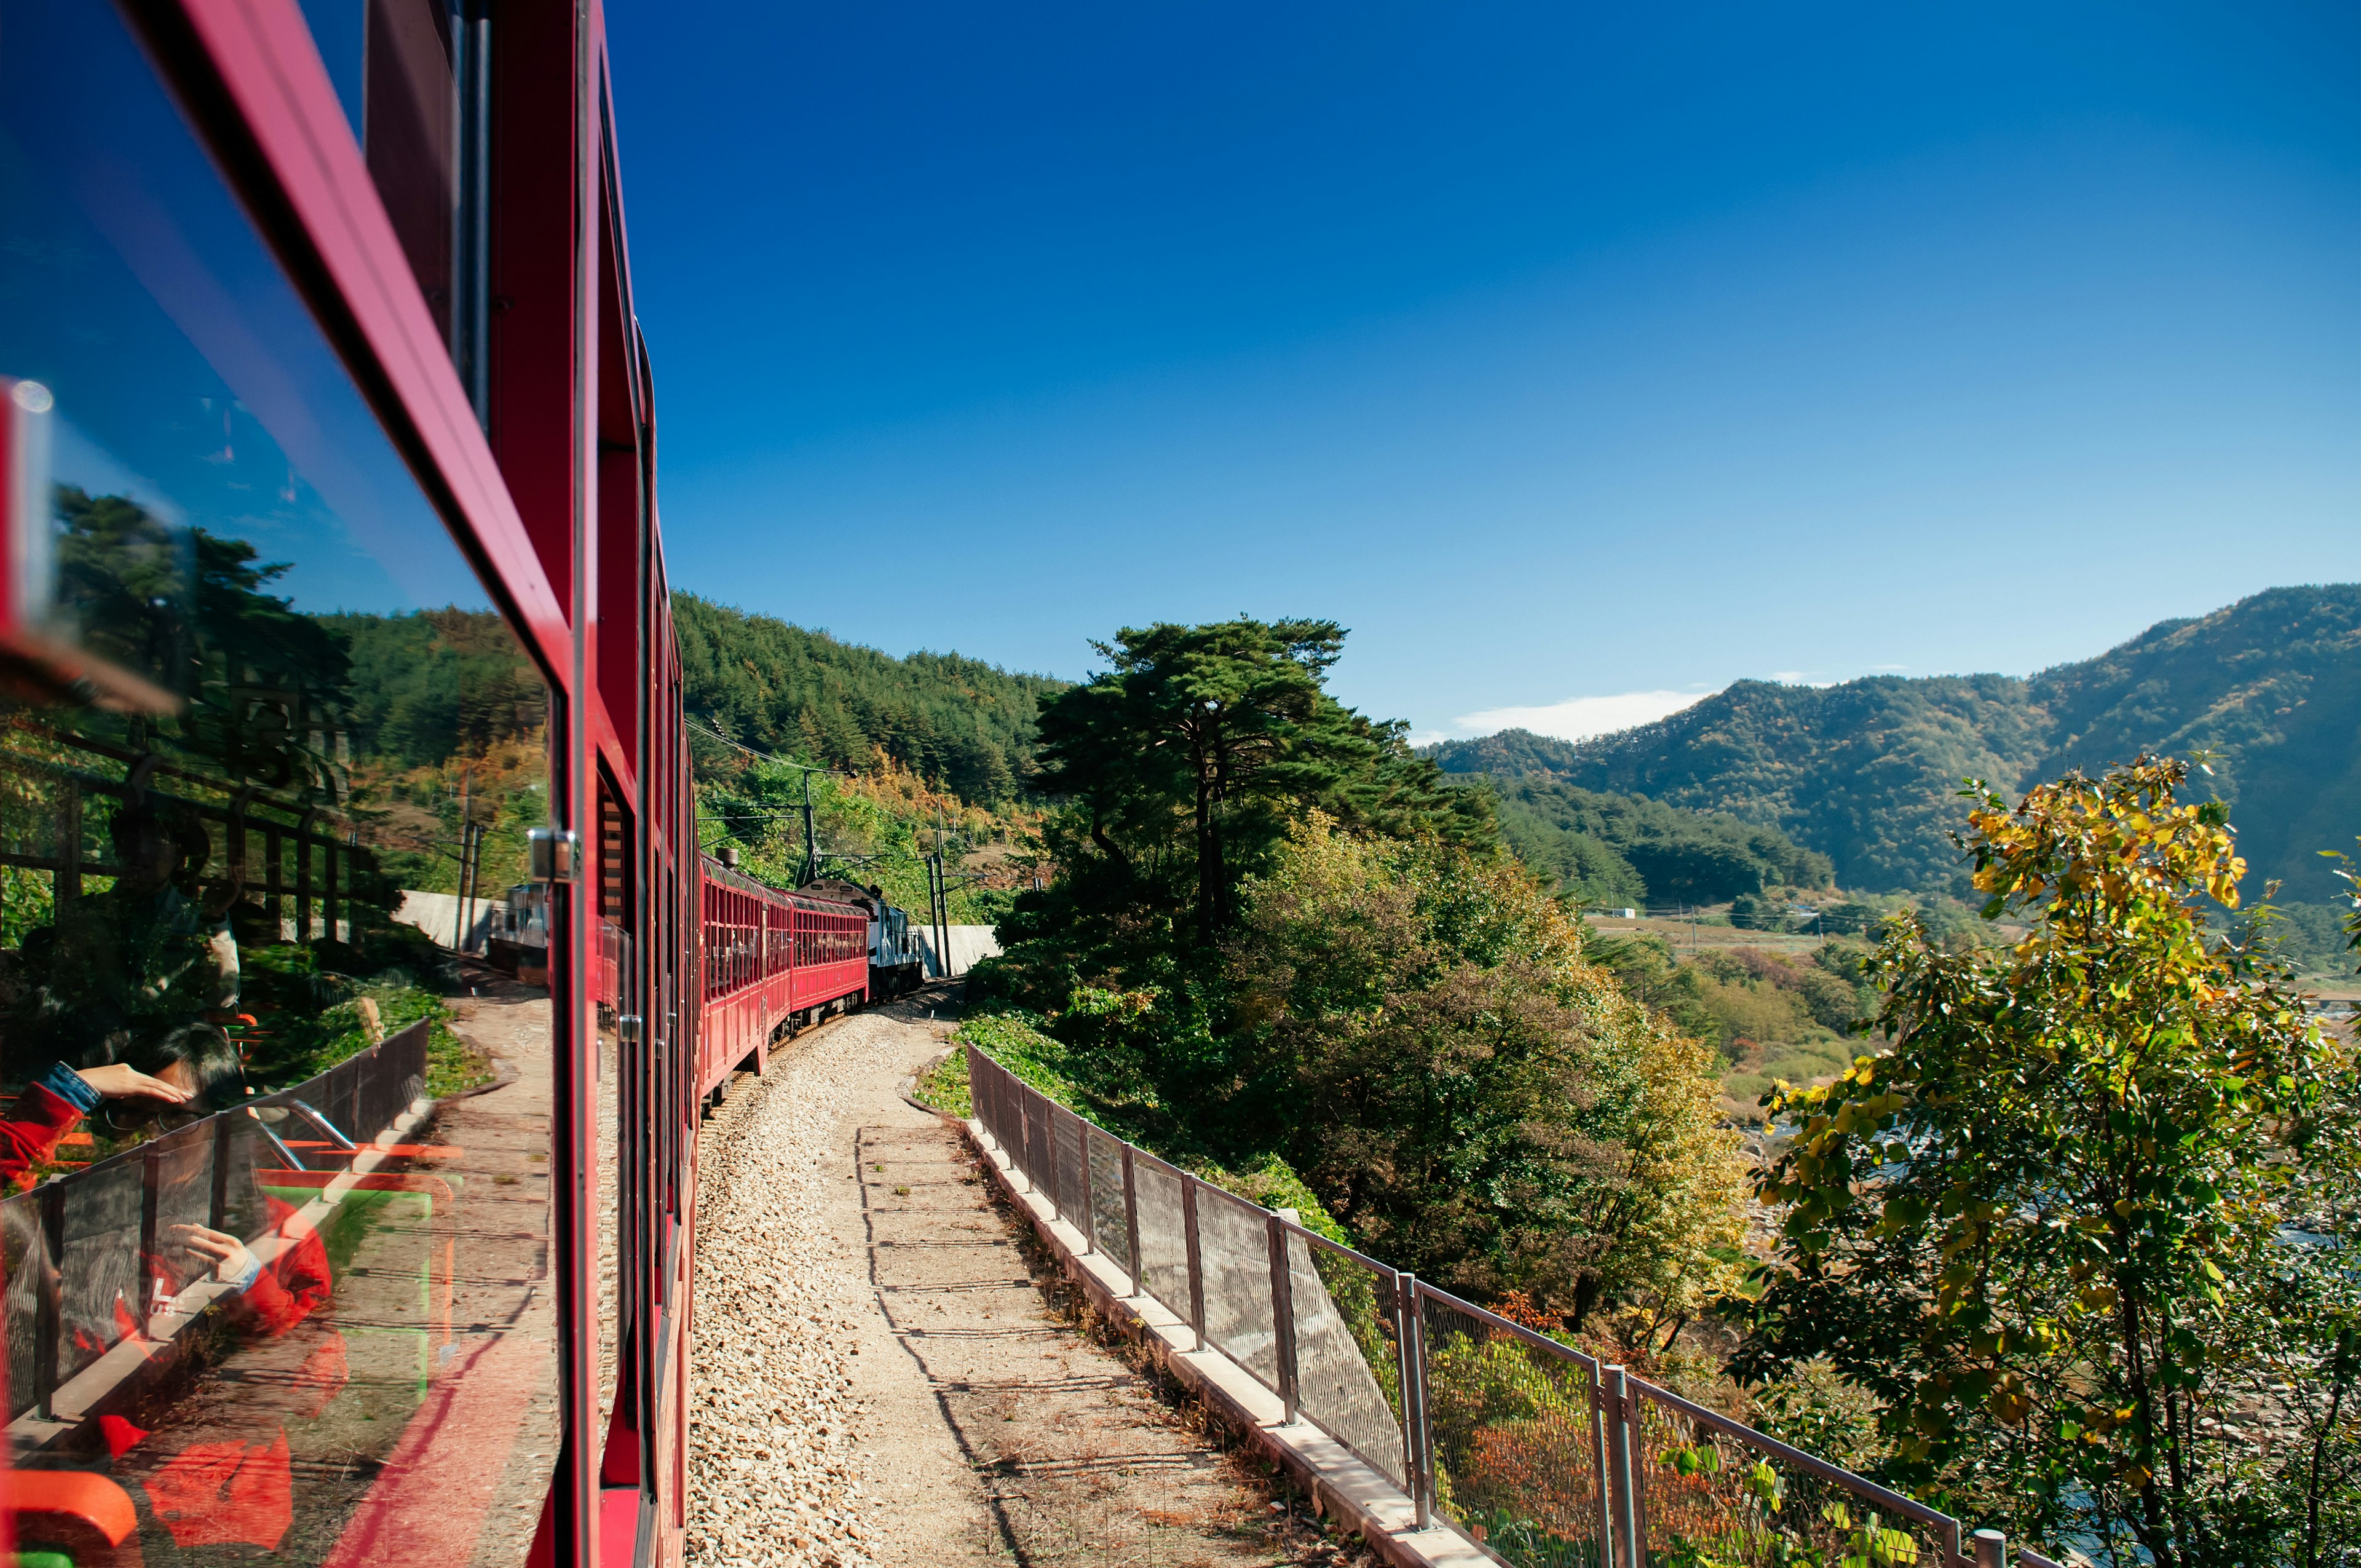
(303, 875)
(328, 890)
(274, 882)
(66, 886)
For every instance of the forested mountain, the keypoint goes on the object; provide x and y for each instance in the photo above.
(1864, 772)
(958, 723)
(1622, 849)
(435, 684)
(2271, 685)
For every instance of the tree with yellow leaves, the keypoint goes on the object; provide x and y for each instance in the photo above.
(2032, 1226)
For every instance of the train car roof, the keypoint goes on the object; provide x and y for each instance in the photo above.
(819, 898)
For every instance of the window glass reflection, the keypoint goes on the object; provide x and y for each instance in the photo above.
(412, 77)
(275, 1232)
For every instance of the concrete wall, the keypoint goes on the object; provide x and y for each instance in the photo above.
(968, 944)
(437, 913)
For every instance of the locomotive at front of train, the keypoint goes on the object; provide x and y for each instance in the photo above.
(331, 561)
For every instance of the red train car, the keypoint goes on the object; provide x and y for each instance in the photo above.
(774, 962)
(324, 410)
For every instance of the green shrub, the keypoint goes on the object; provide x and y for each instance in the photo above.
(944, 1086)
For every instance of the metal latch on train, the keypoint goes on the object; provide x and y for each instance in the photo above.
(627, 1028)
(556, 852)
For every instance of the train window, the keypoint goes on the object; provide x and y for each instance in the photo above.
(275, 1288)
(618, 999)
(413, 76)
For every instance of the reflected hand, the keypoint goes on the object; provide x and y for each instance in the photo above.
(227, 1252)
(117, 1081)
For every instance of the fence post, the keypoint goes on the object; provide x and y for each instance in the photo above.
(1131, 1224)
(1634, 1403)
(1598, 1459)
(218, 1206)
(151, 1178)
(1416, 1437)
(1282, 1310)
(49, 1300)
(1619, 1523)
(1992, 1549)
(1196, 1260)
(1022, 1124)
(1050, 1152)
(978, 1097)
(1088, 1225)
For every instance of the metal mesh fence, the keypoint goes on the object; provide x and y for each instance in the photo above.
(82, 1251)
(1067, 1128)
(992, 1102)
(981, 1102)
(1163, 1234)
(29, 1269)
(1108, 1227)
(1509, 1438)
(1234, 1256)
(101, 1269)
(1515, 1444)
(1037, 1142)
(1743, 1500)
(1347, 1361)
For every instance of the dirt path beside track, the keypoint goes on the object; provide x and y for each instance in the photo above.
(885, 1371)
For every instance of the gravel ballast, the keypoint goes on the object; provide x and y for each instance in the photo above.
(775, 1472)
(886, 1371)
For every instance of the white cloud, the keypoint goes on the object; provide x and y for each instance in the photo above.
(1579, 717)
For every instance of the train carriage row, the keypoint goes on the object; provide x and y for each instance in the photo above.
(324, 412)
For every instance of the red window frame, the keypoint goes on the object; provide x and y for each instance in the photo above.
(566, 491)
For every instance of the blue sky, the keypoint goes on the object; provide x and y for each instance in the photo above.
(1559, 352)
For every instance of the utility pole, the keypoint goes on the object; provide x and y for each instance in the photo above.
(811, 846)
(475, 874)
(466, 838)
(940, 895)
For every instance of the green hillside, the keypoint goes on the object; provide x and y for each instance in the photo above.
(960, 724)
(1864, 772)
(2271, 685)
(1617, 850)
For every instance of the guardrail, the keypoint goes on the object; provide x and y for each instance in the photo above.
(1541, 1455)
(82, 1248)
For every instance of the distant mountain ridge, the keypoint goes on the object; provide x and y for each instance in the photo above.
(1866, 772)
